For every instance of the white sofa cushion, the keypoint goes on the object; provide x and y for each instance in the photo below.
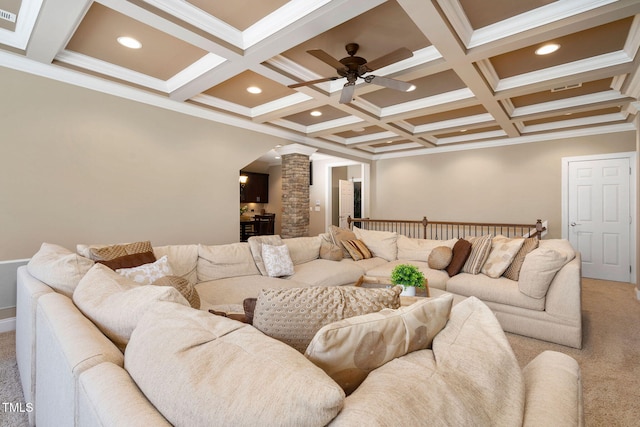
(303, 249)
(411, 249)
(115, 303)
(212, 371)
(349, 349)
(222, 261)
(470, 377)
(182, 258)
(322, 272)
(382, 244)
(59, 268)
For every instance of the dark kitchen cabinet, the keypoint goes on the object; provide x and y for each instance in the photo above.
(256, 189)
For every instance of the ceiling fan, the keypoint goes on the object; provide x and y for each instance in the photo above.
(353, 67)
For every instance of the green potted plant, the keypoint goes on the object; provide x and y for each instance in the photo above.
(409, 277)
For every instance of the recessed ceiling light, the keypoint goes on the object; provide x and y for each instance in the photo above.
(129, 42)
(358, 130)
(316, 113)
(547, 49)
(412, 88)
(389, 142)
(254, 89)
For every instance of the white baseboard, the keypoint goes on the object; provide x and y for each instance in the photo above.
(638, 294)
(7, 325)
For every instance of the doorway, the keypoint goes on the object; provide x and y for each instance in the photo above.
(598, 215)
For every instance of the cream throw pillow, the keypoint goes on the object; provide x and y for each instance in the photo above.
(293, 316)
(383, 244)
(255, 244)
(146, 274)
(277, 261)
(115, 303)
(59, 268)
(198, 369)
(351, 348)
(538, 270)
(503, 251)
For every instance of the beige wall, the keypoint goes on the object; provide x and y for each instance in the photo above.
(82, 166)
(517, 183)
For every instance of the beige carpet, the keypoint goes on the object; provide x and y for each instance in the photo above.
(609, 359)
(10, 388)
(610, 355)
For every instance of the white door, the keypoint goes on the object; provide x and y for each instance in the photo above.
(599, 216)
(345, 201)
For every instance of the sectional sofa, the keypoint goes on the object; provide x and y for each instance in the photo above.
(85, 359)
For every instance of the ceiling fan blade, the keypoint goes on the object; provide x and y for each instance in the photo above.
(390, 58)
(347, 93)
(392, 83)
(327, 59)
(312, 82)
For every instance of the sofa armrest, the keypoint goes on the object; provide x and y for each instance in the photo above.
(108, 396)
(553, 386)
(564, 295)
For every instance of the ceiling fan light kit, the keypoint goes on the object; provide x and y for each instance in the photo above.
(355, 67)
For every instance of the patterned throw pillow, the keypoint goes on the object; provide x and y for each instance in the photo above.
(503, 250)
(182, 285)
(357, 249)
(351, 348)
(330, 251)
(294, 315)
(107, 253)
(277, 260)
(513, 271)
(339, 234)
(148, 273)
(480, 249)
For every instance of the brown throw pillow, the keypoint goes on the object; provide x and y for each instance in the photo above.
(339, 234)
(129, 261)
(107, 253)
(513, 271)
(461, 251)
(182, 285)
(249, 306)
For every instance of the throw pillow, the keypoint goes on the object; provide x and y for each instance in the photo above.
(357, 249)
(330, 251)
(480, 249)
(293, 316)
(58, 267)
(382, 244)
(148, 273)
(249, 307)
(277, 261)
(255, 244)
(339, 234)
(351, 348)
(538, 269)
(513, 271)
(461, 251)
(115, 303)
(503, 250)
(182, 285)
(129, 261)
(440, 257)
(106, 253)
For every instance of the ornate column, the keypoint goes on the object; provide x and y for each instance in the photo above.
(295, 190)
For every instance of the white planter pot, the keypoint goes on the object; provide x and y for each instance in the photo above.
(409, 291)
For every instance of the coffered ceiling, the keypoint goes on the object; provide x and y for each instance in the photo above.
(478, 81)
